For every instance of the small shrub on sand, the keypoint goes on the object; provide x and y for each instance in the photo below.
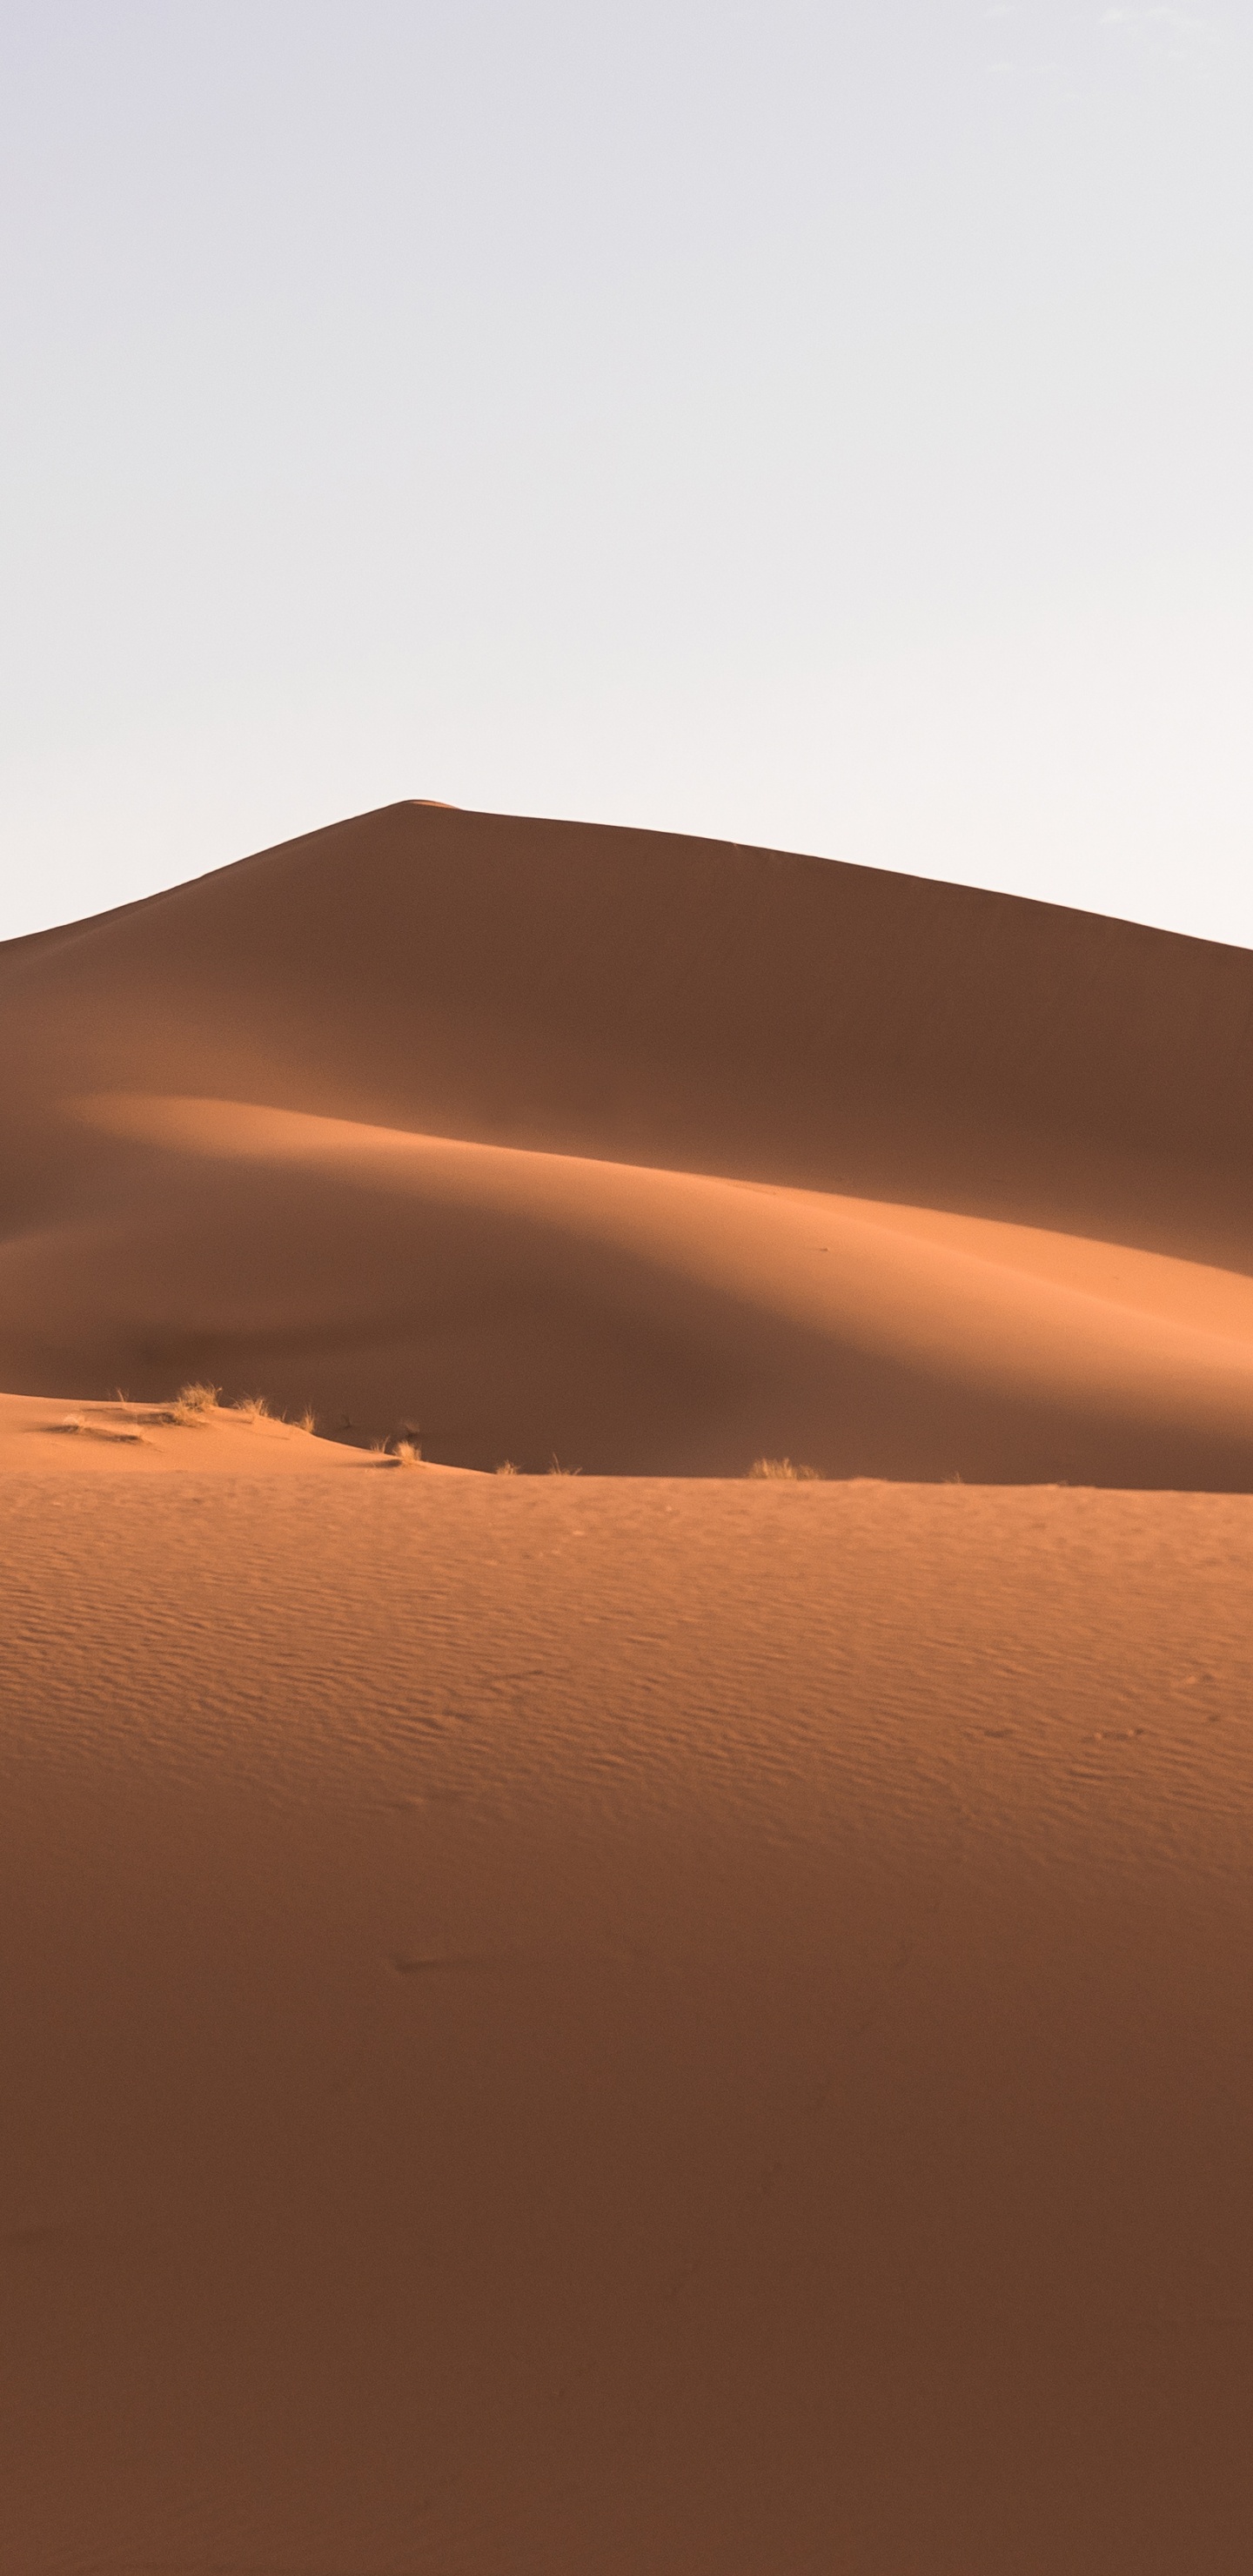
(506, 1468)
(783, 1472)
(253, 1408)
(195, 1402)
(557, 1469)
(308, 1420)
(397, 1453)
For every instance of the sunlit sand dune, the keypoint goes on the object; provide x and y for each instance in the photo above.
(657, 2020)
(651, 1153)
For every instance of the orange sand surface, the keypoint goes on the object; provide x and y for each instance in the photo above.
(656, 1153)
(558, 2023)
(648, 2020)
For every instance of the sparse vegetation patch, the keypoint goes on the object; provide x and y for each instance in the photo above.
(194, 1402)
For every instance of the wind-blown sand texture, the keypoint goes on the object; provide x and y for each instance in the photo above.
(639, 2021)
(655, 1153)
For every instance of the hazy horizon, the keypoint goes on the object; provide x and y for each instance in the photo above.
(815, 427)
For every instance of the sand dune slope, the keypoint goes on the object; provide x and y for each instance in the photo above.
(653, 1153)
(632, 2022)
(571, 2025)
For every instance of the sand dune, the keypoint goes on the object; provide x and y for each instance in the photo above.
(636, 2021)
(46, 1438)
(651, 1153)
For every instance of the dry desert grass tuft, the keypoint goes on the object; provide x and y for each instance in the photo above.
(252, 1408)
(506, 1468)
(397, 1453)
(195, 1402)
(783, 1472)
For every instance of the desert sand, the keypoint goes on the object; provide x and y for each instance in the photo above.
(656, 1153)
(653, 2019)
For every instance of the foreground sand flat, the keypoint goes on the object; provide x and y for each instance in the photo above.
(573, 2023)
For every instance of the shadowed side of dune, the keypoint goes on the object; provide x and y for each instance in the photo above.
(787, 1156)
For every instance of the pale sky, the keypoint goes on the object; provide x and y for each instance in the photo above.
(814, 424)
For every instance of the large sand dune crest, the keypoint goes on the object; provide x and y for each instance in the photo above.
(653, 1152)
